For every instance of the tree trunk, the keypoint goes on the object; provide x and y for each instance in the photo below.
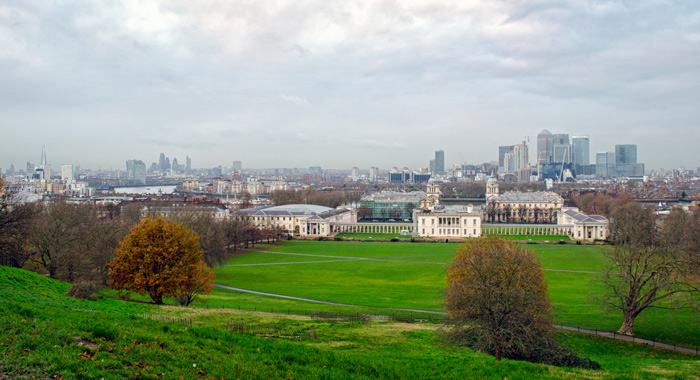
(627, 327)
(497, 353)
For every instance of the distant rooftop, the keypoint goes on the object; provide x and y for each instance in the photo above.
(393, 196)
(293, 209)
(539, 196)
(583, 218)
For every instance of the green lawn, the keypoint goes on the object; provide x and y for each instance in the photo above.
(417, 282)
(552, 238)
(373, 236)
(45, 334)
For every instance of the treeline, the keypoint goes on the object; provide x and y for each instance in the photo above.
(74, 243)
(308, 195)
(599, 203)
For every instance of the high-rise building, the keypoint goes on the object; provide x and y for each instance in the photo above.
(581, 150)
(605, 164)
(45, 167)
(561, 148)
(67, 173)
(545, 141)
(626, 161)
(237, 166)
(355, 173)
(625, 154)
(439, 162)
(188, 164)
(136, 171)
(512, 158)
(502, 152)
(521, 156)
(161, 162)
(373, 173)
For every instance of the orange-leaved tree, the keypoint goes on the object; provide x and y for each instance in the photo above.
(161, 259)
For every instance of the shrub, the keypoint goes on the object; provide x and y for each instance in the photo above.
(85, 290)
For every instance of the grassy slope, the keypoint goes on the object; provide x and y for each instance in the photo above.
(415, 285)
(40, 332)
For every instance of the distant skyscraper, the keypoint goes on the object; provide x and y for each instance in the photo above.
(237, 166)
(605, 164)
(373, 173)
(521, 156)
(626, 161)
(544, 147)
(625, 154)
(581, 150)
(561, 148)
(175, 166)
(45, 167)
(67, 173)
(512, 158)
(439, 162)
(161, 162)
(136, 171)
(188, 164)
(355, 173)
(502, 152)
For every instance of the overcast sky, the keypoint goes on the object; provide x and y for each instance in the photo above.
(344, 83)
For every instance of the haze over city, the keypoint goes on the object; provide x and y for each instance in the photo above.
(340, 84)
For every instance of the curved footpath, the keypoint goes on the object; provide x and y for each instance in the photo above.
(611, 335)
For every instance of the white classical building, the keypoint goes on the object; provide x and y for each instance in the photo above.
(584, 227)
(531, 207)
(301, 219)
(433, 219)
(539, 213)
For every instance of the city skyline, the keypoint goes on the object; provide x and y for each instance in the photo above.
(336, 84)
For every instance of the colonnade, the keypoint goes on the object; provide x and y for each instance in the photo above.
(374, 228)
(528, 229)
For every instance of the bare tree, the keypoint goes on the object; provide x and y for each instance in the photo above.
(641, 272)
(15, 221)
(523, 213)
(497, 296)
(491, 211)
(55, 236)
(210, 231)
(364, 212)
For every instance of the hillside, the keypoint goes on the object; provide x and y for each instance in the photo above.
(46, 334)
